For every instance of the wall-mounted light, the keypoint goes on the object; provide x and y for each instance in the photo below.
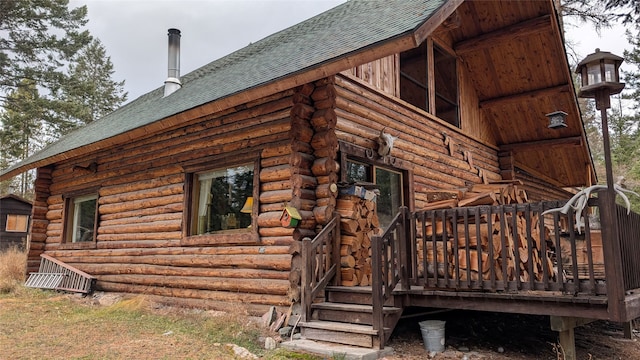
(557, 120)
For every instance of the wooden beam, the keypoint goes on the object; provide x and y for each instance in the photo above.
(524, 96)
(495, 38)
(540, 175)
(574, 141)
(435, 20)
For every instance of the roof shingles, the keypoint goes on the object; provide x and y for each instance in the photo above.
(343, 30)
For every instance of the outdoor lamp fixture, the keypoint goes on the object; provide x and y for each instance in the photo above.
(557, 120)
(600, 76)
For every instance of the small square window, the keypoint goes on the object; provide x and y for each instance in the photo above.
(81, 219)
(17, 223)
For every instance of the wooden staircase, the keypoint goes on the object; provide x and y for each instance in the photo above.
(346, 317)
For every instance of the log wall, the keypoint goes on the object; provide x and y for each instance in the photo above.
(141, 187)
(438, 155)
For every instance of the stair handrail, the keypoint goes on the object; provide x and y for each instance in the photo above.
(316, 275)
(387, 267)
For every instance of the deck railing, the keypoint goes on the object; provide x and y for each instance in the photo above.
(321, 258)
(629, 234)
(507, 248)
(388, 255)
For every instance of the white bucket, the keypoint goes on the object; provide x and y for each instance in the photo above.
(433, 334)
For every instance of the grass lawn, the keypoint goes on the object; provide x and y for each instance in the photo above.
(37, 324)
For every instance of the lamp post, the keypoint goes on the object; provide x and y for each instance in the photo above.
(600, 78)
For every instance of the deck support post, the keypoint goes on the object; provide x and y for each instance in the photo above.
(565, 326)
(628, 329)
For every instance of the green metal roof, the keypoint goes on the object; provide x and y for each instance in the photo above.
(338, 32)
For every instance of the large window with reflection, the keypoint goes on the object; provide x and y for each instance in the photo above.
(221, 205)
(219, 198)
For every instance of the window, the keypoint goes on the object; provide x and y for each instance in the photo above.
(222, 200)
(390, 184)
(17, 223)
(446, 86)
(81, 218)
(438, 95)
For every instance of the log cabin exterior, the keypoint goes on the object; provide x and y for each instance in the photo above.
(462, 87)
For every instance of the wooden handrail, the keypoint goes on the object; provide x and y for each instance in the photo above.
(388, 267)
(321, 258)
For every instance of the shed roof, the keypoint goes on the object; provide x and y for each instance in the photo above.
(345, 29)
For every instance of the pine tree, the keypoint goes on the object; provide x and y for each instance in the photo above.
(37, 38)
(22, 128)
(89, 92)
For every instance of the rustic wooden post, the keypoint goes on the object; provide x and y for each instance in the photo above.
(335, 253)
(307, 274)
(403, 256)
(377, 287)
(612, 255)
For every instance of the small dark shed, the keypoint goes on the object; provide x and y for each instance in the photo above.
(15, 213)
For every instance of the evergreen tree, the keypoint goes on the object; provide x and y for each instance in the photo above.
(89, 93)
(37, 38)
(21, 130)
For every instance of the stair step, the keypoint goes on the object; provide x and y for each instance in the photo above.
(352, 295)
(341, 327)
(353, 307)
(340, 333)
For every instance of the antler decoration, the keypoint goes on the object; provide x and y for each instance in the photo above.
(579, 201)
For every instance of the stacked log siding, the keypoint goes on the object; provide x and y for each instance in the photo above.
(141, 205)
(362, 114)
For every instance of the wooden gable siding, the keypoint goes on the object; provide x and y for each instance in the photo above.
(141, 188)
(381, 74)
(363, 113)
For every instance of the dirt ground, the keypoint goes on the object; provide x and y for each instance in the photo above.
(482, 335)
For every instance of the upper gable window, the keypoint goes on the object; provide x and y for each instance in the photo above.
(439, 94)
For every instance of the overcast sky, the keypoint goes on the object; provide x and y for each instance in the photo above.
(134, 32)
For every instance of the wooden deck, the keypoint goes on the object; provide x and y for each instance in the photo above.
(506, 258)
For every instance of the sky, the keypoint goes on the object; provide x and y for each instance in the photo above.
(134, 32)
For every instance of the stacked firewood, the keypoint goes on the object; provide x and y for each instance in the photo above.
(511, 256)
(358, 224)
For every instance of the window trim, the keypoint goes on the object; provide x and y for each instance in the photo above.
(6, 225)
(68, 215)
(227, 238)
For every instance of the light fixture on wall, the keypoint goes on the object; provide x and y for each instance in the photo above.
(557, 119)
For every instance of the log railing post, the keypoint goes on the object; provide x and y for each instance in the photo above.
(404, 260)
(335, 249)
(612, 255)
(377, 287)
(307, 277)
